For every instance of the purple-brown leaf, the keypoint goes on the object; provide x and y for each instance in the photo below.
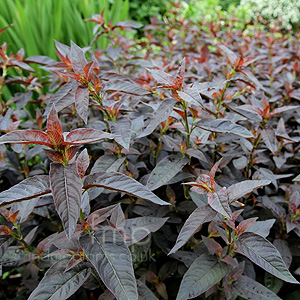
(86, 135)
(82, 102)
(26, 137)
(66, 188)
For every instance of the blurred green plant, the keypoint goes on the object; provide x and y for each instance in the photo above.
(38, 22)
(226, 4)
(213, 10)
(196, 9)
(143, 10)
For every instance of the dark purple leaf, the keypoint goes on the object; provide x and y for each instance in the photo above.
(127, 87)
(128, 24)
(224, 126)
(77, 59)
(40, 59)
(62, 48)
(20, 64)
(213, 172)
(161, 114)
(240, 189)
(122, 183)
(53, 123)
(85, 136)
(199, 216)
(82, 102)
(277, 210)
(253, 290)
(26, 137)
(186, 257)
(283, 248)
(117, 217)
(144, 291)
(269, 138)
(162, 77)
(82, 162)
(191, 96)
(27, 189)
(231, 56)
(5, 240)
(138, 228)
(66, 188)
(204, 272)
(54, 155)
(283, 109)
(165, 170)
(196, 153)
(260, 251)
(100, 215)
(5, 120)
(261, 228)
(25, 208)
(21, 99)
(85, 204)
(219, 202)
(212, 246)
(180, 74)
(58, 285)
(248, 111)
(251, 76)
(108, 163)
(110, 256)
(122, 130)
(297, 178)
(64, 97)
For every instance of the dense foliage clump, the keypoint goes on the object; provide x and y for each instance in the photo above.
(160, 168)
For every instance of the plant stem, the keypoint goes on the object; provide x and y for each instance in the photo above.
(4, 73)
(186, 125)
(250, 164)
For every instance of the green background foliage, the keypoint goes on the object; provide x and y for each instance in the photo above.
(38, 22)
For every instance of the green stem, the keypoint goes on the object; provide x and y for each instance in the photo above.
(20, 238)
(220, 102)
(255, 145)
(186, 125)
(81, 216)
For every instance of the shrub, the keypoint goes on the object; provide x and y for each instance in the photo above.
(161, 168)
(288, 12)
(143, 10)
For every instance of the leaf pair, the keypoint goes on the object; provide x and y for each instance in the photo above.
(63, 146)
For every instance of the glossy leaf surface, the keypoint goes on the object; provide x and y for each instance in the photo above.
(224, 126)
(60, 285)
(243, 188)
(110, 256)
(251, 289)
(199, 216)
(66, 188)
(165, 170)
(27, 189)
(122, 183)
(204, 272)
(136, 229)
(263, 253)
